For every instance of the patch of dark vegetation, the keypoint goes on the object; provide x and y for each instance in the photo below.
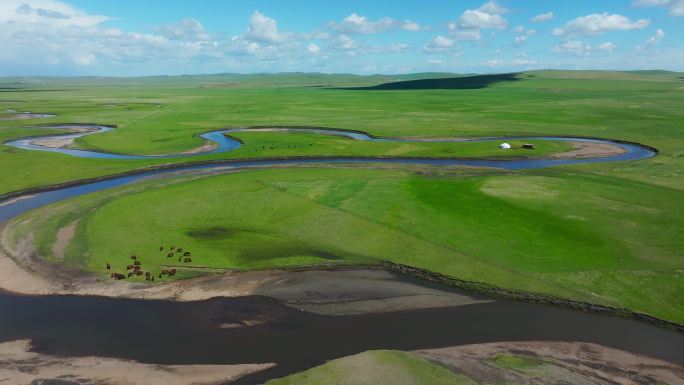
(212, 233)
(459, 83)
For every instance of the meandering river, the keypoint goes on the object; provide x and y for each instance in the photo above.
(168, 332)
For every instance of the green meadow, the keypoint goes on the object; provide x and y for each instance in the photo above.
(607, 233)
(381, 367)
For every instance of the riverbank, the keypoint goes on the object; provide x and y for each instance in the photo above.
(20, 365)
(333, 290)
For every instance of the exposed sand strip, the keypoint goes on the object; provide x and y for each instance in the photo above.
(558, 363)
(54, 142)
(20, 366)
(583, 150)
(64, 236)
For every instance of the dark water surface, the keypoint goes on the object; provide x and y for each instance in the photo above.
(166, 332)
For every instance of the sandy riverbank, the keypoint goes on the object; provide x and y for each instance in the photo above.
(18, 365)
(324, 291)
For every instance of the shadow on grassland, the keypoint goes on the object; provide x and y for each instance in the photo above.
(462, 83)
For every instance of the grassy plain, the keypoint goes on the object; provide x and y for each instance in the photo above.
(165, 115)
(605, 233)
(598, 239)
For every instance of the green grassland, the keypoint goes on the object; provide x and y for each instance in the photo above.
(607, 233)
(165, 115)
(381, 367)
(604, 240)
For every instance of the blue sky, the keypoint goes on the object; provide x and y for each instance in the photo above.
(133, 38)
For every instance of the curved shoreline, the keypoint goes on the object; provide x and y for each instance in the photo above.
(220, 140)
(179, 166)
(246, 163)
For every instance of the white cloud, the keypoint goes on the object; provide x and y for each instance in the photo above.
(493, 8)
(313, 48)
(477, 19)
(186, 29)
(263, 29)
(520, 39)
(464, 34)
(357, 24)
(521, 29)
(345, 42)
(472, 21)
(495, 63)
(574, 47)
(657, 38)
(542, 17)
(676, 7)
(597, 24)
(607, 46)
(47, 13)
(579, 48)
(411, 26)
(439, 44)
(652, 41)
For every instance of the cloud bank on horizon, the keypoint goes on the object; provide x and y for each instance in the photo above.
(127, 38)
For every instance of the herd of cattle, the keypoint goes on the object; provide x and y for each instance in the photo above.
(135, 268)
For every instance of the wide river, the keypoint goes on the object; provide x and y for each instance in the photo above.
(167, 332)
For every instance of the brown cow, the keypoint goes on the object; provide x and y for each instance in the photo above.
(172, 272)
(169, 255)
(164, 271)
(129, 267)
(136, 263)
(138, 272)
(130, 274)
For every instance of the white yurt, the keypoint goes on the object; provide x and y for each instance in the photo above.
(505, 146)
